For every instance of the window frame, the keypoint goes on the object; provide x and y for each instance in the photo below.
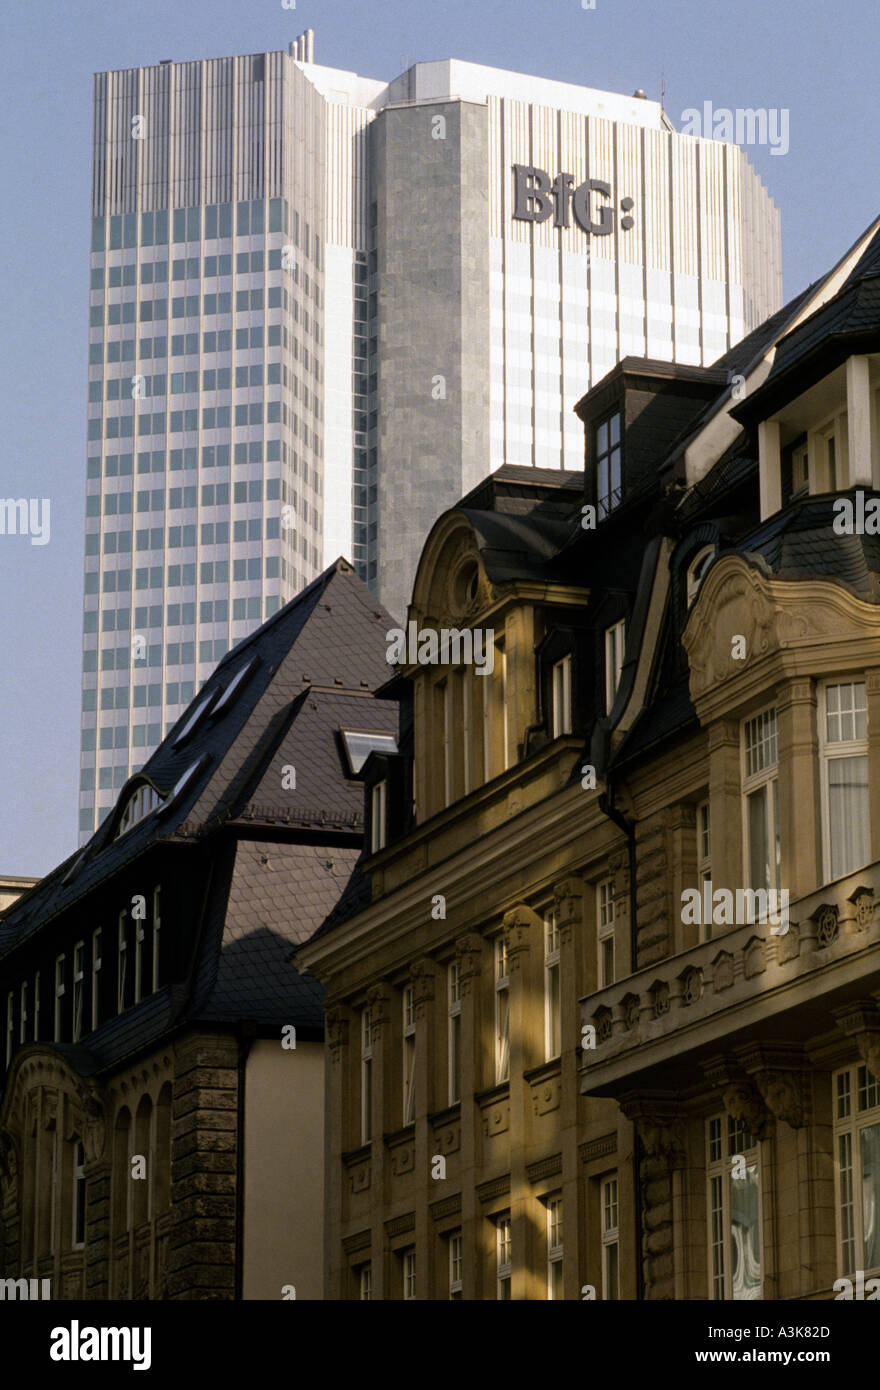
(605, 931)
(615, 650)
(552, 995)
(96, 967)
(60, 989)
(79, 990)
(609, 1202)
(378, 814)
(157, 936)
(503, 1257)
(752, 783)
(121, 960)
(502, 1009)
(456, 1265)
(555, 1247)
(408, 1270)
(849, 1126)
(453, 1010)
(408, 1053)
(560, 697)
(849, 748)
(608, 497)
(733, 1138)
(366, 1075)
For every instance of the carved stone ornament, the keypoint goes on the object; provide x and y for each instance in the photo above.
(336, 1022)
(468, 951)
(422, 974)
(786, 1094)
(94, 1128)
(661, 1127)
(743, 1101)
(739, 598)
(519, 925)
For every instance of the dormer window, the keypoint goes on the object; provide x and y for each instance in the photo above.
(378, 806)
(140, 804)
(608, 454)
(615, 637)
(561, 721)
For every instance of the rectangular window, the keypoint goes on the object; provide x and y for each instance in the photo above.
(605, 931)
(455, 1265)
(454, 1014)
(760, 802)
(157, 935)
(121, 963)
(409, 1055)
(79, 988)
(552, 1010)
(448, 737)
(409, 1274)
(502, 1012)
(378, 803)
(10, 1026)
(733, 1213)
(503, 1255)
(59, 996)
(554, 1249)
(608, 464)
(610, 1240)
(23, 1012)
(96, 978)
(138, 959)
(843, 742)
(704, 859)
(365, 1283)
(366, 1077)
(79, 1195)
(561, 697)
(37, 1007)
(615, 638)
(856, 1099)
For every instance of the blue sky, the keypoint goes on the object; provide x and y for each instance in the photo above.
(819, 60)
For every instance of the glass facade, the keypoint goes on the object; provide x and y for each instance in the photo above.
(204, 509)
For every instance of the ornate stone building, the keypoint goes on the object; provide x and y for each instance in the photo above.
(603, 997)
(162, 1106)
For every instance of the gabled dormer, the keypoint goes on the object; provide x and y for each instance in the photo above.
(632, 418)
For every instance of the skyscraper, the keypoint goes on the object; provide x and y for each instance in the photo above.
(323, 307)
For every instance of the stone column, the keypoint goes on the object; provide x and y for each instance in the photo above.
(569, 906)
(469, 950)
(97, 1175)
(204, 1153)
(422, 977)
(661, 1126)
(338, 1088)
(379, 1004)
(725, 826)
(523, 930)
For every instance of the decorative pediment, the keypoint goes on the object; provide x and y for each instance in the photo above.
(743, 615)
(451, 586)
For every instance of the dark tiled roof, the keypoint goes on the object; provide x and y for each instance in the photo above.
(666, 714)
(330, 631)
(800, 543)
(279, 894)
(320, 658)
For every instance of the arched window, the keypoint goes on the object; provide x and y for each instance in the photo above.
(143, 1148)
(139, 805)
(122, 1184)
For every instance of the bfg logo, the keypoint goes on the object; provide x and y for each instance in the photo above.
(535, 198)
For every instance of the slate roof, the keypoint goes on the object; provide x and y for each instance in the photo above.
(318, 661)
